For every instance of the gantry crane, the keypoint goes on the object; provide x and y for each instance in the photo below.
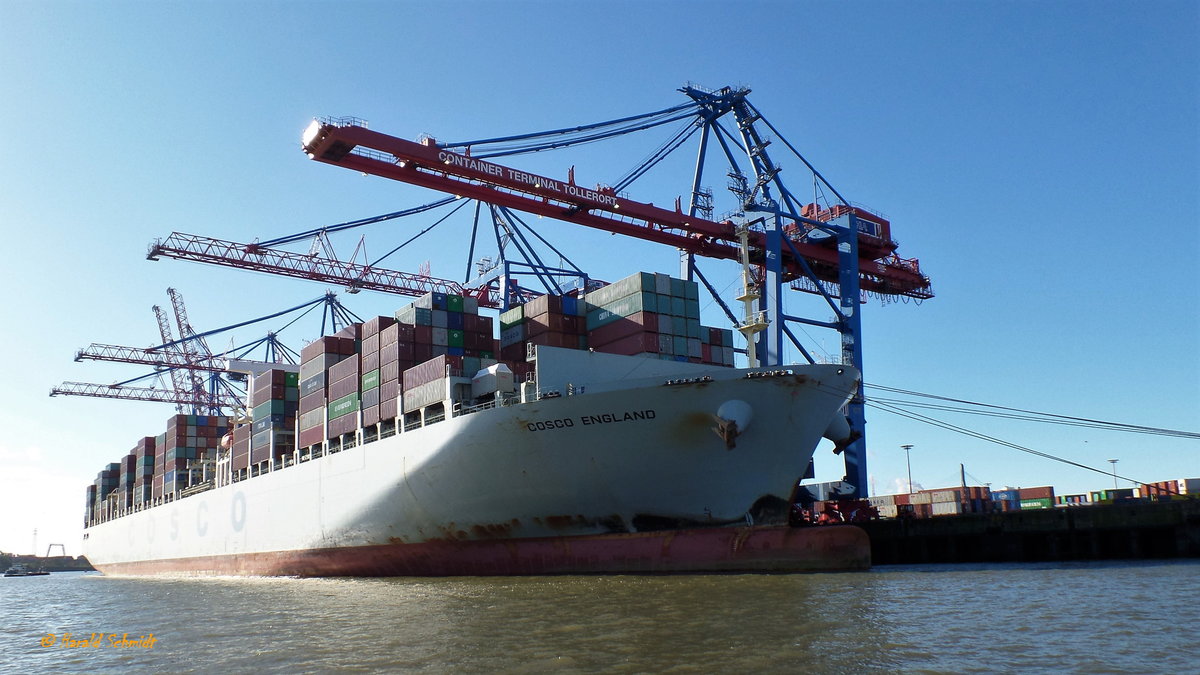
(836, 250)
(218, 398)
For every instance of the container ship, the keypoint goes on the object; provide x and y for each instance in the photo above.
(601, 433)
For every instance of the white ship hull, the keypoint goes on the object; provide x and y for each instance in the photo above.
(482, 492)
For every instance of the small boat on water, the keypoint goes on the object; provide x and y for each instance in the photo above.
(23, 571)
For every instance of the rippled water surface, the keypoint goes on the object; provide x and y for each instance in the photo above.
(1085, 618)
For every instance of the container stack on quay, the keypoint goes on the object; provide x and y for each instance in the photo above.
(963, 500)
(1171, 488)
(1036, 498)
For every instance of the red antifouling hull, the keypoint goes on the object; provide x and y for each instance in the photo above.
(741, 549)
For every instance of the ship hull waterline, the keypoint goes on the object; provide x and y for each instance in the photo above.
(628, 477)
(750, 549)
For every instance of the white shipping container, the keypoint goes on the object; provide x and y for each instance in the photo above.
(946, 508)
(494, 378)
(945, 496)
(1188, 486)
(312, 418)
(882, 500)
(319, 365)
(886, 510)
(440, 336)
(425, 394)
(920, 498)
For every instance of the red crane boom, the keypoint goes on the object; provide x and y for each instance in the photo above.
(424, 164)
(312, 267)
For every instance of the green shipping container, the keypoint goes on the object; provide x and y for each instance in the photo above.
(268, 408)
(1037, 503)
(291, 379)
(513, 317)
(454, 303)
(343, 406)
(454, 338)
(622, 307)
(370, 380)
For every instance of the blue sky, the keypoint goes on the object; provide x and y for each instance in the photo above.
(1039, 158)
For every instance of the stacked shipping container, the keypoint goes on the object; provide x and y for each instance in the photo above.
(395, 356)
(274, 402)
(654, 314)
(373, 372)
(189, 439)
(548, 320)
(315, 361)
(372, 375)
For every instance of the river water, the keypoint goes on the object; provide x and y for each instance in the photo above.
(1119, 617)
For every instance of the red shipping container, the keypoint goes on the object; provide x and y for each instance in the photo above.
(312, 401)
(370, 344)
(642, 322)
(421, 353)
(515, 353)
(343, 388)
(353, 332)
(389, 409)
(1036, 493)
(310, 437)
(423, 335)
(370, 415)
(389, 372)
(555, 339)
(474, 323)
(343, 369)
(374, 326)
(389, 335)
(328, 344)
(543, 304)
(543, 323)
(638, 343)
(390, 353)
(433, 369)
(389, 390)
(370, 362)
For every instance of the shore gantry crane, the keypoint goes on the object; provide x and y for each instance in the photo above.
(828, 247)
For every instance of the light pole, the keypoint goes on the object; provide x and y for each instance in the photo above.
(908, 461)
(1114, 471)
